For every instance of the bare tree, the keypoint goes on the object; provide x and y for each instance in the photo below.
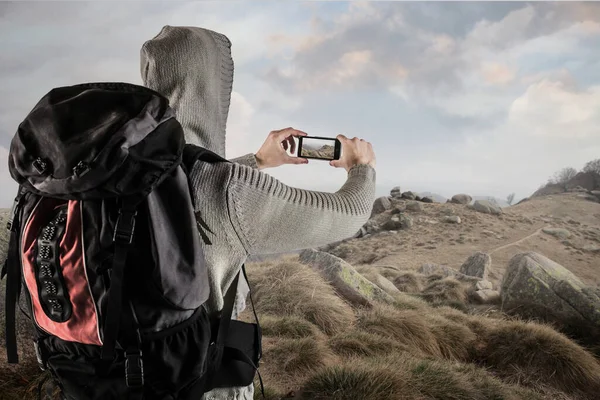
(510, 198)
(592, 166)
(563, 176)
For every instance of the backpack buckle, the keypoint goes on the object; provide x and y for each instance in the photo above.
(125, 227)
(134, 369)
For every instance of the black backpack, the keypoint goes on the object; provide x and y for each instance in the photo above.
(106, 246)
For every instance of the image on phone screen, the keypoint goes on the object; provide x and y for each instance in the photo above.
(320, 148)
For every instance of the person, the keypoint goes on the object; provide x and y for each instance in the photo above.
(249, 211)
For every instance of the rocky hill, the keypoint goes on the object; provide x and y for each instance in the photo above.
(432, 301)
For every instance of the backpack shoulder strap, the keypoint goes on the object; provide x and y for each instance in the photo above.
(193, 153)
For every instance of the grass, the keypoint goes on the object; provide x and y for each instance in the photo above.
(293, 289)
(445, 290)
(407, 327)
(351, 382)
(357, 343)
(296, 356)
(408, 282)
(290, 327)
(534, 354)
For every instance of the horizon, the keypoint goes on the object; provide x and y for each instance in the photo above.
(481, 98)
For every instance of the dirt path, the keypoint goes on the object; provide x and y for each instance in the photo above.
(518, 241)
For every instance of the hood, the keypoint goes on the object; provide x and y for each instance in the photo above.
(193, 68)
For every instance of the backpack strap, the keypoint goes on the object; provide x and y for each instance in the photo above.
(193, 153)
(12, 268)
(123, 237)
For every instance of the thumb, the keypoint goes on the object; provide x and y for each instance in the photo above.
(336, 163)
(296, 160)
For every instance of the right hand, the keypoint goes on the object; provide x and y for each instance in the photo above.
(354, 152)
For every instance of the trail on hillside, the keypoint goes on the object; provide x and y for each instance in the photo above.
(517, 241)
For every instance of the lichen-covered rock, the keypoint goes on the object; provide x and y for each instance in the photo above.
(487, 207)
(380, 205)
(396, 192)
(347, 282)
(461, 199)
(383, 282)
(477, 265)
(427, 200)
(532, 279)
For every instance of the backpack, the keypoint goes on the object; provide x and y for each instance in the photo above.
(105, 246)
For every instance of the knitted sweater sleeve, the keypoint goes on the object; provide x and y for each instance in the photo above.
(247, 159)
(271, 217)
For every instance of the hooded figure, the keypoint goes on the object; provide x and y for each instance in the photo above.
(249, 211)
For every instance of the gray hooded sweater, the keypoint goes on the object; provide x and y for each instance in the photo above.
(249, 211)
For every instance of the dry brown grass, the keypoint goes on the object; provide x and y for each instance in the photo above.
(456, 341)
(534, 354)
(404, 301)
(356, 343)
(20, 382)
(293, 289)
(290, 359)
(355, 381)
(445, 290)
(290, 327)
(406, 326)
(409, 282)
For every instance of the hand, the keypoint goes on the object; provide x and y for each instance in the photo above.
(273, 152)
(354, 152)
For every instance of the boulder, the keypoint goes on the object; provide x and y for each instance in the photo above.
(478, 265)
(427, 200)
(418, 198)
(486, 296)
(559, 233)
(396, 192)
(487, 207)
(398, 222)
(452, 219)
(380, 205)
(383, 282)
(533, 280)
(461, 199)
(414, 206)
(586, 180)
(484, 285)
(409, 195)
(596, 193)
(347, 282)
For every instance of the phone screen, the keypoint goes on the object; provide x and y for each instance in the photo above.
(318, 148)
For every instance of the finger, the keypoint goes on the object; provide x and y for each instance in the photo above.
(281, 130)
(296, 160)
(284, 133)
(341, 137)
(336, 163)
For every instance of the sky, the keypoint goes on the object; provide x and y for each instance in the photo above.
(476, 97)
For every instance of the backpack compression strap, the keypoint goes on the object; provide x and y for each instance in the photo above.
(12, 268)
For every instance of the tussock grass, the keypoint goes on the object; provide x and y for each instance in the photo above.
(534, 354)
(362, 344)
(408, 282)
(293, 289)
(270, 393)
(404, 301)
(289, 327)
(456, 341)
(355, 381)
(297, 356)
(444, 291)
(408, 327)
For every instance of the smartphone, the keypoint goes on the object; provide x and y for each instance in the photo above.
(319, 148)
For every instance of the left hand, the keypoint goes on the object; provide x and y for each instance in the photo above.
(273, 152)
